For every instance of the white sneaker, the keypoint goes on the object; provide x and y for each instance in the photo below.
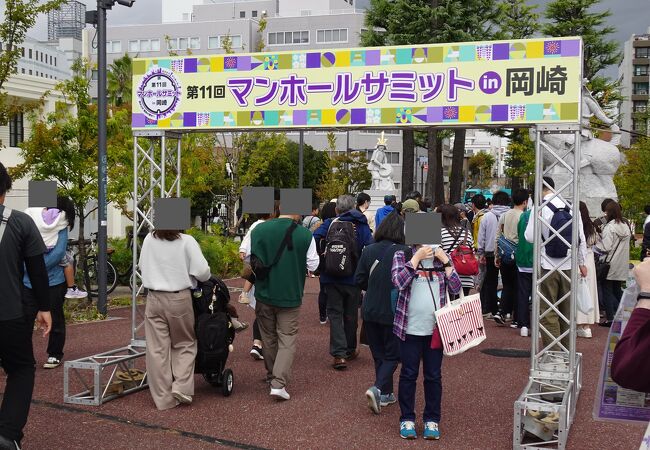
(523, 331)
(182, 398)
(52, 363)
(584, 333)
(280, 394)
(75, 292)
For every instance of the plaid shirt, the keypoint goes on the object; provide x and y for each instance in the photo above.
(403, 273)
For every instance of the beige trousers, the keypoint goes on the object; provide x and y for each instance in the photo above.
(279, 329)
(171, 346)
(554, 288)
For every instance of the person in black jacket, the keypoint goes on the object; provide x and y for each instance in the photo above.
(374, 276)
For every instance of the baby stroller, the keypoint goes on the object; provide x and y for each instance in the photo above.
(214, 333)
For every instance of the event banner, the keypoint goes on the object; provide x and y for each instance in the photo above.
(514, 82)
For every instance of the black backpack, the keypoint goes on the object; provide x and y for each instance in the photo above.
(214, 333)
(555, 247)
(341, 253)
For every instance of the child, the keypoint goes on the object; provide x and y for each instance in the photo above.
(422, 283)
(49, 222)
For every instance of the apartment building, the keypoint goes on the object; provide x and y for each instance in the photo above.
(200, 27)
(634, 73)
(39, 59)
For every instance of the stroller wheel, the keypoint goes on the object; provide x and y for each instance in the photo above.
(213, 378)
(227, 382)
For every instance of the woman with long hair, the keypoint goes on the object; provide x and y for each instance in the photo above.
(454, 234)
(328, 211)
(373, 275)
(615, 247)
(169, 261)
(592, 238)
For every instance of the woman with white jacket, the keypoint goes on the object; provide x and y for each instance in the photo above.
(615, 246)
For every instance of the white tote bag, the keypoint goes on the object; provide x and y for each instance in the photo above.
(585, 303)
(460, 323)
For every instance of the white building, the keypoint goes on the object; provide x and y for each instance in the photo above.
(634, 74)
(41, 60)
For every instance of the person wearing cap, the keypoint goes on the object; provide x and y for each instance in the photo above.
(363, 203)
(410, 206)
(385, 210)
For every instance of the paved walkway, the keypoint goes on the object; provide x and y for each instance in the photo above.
(327, 409)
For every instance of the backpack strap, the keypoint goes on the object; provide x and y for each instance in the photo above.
(6, 213)
(381, 257)
(286, 242)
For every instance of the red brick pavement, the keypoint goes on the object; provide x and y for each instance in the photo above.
(327, 408)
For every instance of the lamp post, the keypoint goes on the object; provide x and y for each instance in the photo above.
(98, 18)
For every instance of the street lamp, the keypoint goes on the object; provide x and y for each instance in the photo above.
(98, 18)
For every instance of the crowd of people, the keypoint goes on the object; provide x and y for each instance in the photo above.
(365, 270)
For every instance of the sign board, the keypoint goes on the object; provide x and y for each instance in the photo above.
(515, 82)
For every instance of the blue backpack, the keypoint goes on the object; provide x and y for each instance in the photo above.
(555, 247)
(506, 250)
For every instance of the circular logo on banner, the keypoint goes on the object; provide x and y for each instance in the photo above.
(159, 93)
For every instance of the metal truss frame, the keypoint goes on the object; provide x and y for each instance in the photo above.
(156, 174)
(555, 376)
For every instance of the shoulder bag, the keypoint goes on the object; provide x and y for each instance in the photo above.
(260, 270)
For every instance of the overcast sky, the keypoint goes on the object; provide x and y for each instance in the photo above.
(628, 16)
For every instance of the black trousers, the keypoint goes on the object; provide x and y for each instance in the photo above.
(56, 341)
(343, 312)
(509, 294)
(489, 298)
(256, 331)
(17, 360)
(322, 303)
(384, 346)
(525, 291)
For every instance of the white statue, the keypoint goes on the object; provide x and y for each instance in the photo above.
(599, 159)
(380, 169)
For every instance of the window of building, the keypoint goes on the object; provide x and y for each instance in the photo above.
(55, 60)
(30, 71)
(397, 185)
(16, 130)
(22, 51)
(639, 125)
(30, 53)
(639, 88)
(36, 55)
(155, 45)
(145, 45)
(94, 74)
(37, 73)
(216, 42)
(183, 43)
(114, 47)
(288, 37)
(22, 70)
(134, 46)
(186, 17)
(242, 14)
(640, 70)
(195, 43)
(335, 35)
(642, 52)
(639, 106)
(253, 13)
(42, 56)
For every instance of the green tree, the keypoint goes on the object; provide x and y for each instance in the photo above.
(119, 80)
(520, 158)
(577, 18)
(518, 20)
(480, 167)
(347, 174)
(633, 178)
(19, 17)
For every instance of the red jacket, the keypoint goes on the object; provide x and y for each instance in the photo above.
(631, 362)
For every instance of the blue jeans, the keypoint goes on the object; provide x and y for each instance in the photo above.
(384, 346)
(413, 350)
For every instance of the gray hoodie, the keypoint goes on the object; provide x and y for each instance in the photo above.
(616, 246)
(487, 231)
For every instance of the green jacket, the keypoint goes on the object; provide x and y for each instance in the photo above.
(286, 281)
(524, 253)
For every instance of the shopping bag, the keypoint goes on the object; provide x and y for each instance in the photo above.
(585, 303)
(460, 323)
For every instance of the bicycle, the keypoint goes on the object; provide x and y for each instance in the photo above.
(90, 273)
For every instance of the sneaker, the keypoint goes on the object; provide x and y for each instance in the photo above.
(354, 355)
(256, 353)
(75, 292)
(323, 320)
(340, 364)
(584, 333)
(374, 399)
(498, 319)
(407, 430)
(431, 431)
(508, 316)
(523, 332)
(514, 325)
(280, 394)
(52, 363)
(387, 399)
(243, 298)
(182, 398)
(8, 444)
(487, 316)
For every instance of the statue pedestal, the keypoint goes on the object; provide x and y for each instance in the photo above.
(377, 198)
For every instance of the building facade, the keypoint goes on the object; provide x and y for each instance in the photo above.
(201, 27)
(634, 73)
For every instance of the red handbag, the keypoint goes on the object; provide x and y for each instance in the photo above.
(464, 259)
(436, 340)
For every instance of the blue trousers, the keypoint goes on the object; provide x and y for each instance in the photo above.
(384, 346)
(413, 350)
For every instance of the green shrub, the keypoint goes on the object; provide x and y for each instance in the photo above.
(221, 252)
(635, 252)
(122, 256)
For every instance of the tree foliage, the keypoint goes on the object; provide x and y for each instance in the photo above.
(120, 80)
(633, 178)
(518, 20)
(520, 158)
(347, 174)
(480, 167)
